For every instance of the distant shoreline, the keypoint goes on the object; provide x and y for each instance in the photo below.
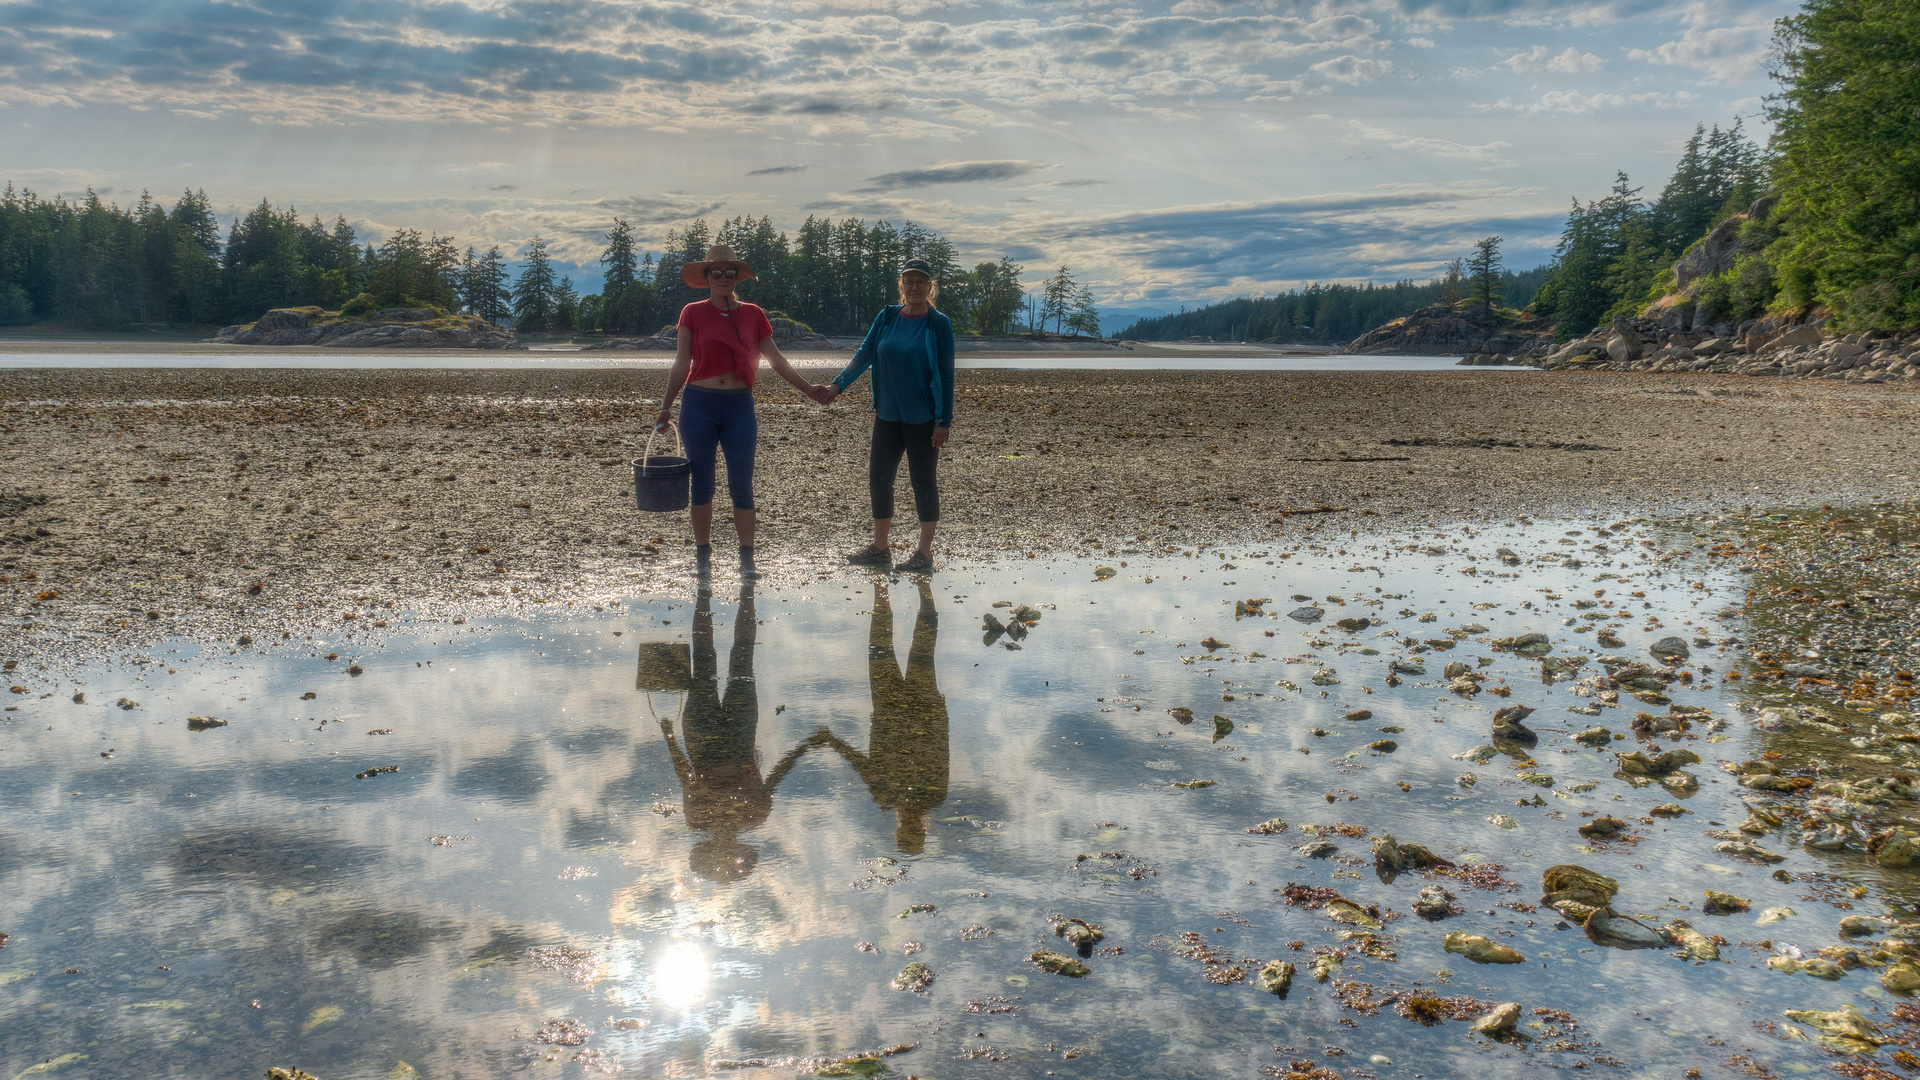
(154, 345)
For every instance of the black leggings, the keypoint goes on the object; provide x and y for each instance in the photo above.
(891, 438)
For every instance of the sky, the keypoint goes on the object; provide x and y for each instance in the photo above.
(1170, 152)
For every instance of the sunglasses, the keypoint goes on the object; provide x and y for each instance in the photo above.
(728, 274)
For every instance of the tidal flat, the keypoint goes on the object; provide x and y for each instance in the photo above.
(1632, 795)
(1374, 744)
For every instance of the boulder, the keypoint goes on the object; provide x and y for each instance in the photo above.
(1502, 1021)
(1480, 950)
(1275, 978)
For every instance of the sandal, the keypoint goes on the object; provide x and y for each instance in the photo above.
(871, 555)
(919, 563)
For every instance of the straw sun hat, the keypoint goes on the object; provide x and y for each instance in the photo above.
(695, 273)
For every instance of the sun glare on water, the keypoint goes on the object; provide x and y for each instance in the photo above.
(680, 980)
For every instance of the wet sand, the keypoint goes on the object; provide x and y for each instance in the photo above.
(137, 504)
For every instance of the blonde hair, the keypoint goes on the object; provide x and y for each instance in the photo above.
(933, 290)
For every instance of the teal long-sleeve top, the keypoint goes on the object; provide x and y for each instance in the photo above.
(912, 362)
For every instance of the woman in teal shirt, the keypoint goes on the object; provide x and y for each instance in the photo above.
(910, 349)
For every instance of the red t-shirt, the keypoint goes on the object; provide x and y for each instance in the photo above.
(725, 341)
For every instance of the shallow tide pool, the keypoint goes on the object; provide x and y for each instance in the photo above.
(709, 834)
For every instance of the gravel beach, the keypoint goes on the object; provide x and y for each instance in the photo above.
(139, 503)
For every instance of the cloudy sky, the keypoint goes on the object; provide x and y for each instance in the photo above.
(1170, 150)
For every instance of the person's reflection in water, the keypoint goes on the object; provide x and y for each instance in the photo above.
(905, 766)
(722, 790)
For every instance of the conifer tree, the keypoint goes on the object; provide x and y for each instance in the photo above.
(535, 299)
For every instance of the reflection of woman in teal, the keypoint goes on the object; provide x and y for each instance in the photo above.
(905, 766)
(722, 790)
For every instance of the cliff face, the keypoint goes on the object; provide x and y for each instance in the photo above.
(1443, 331)
(391, 328)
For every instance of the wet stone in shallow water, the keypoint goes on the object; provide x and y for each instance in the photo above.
(1058, 964)
(914, 978)
(1480, 950)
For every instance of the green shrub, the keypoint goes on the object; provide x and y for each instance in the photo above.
(364, 304)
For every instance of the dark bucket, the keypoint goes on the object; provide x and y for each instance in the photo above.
(661, 483)
(665, 667)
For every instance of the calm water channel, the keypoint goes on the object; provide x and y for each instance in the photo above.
(704, 835)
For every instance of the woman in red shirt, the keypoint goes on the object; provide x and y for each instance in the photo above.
(721, 341)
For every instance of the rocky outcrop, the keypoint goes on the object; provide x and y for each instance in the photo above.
(1774, 346)
(389, 328)
(664, 341)
(1715, 254)
(1442, 331)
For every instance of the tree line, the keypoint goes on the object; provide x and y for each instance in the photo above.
(88, 263)
(1330, 314)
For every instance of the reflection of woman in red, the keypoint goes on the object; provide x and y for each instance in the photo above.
(722, 791)
(906, 763)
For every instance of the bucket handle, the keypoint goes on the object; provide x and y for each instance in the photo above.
(648, 452)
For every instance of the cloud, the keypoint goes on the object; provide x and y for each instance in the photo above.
(1572, 101)
(1486, 153)
(1538, 59)
(778, 169)
(1352, 70)
(1718, 54)
(1382, 234)
(953, 172)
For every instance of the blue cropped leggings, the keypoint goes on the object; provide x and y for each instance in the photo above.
(720, 420)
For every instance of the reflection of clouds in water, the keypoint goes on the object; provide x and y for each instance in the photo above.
(552, 761)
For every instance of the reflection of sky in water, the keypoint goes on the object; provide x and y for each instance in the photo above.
(235, 897)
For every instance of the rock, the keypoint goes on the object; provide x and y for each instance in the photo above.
(1480, 950)
(1853, 926)
(1814, 966)
(1275, 978)
(1798, 337)
(1104, 572)
(1527, 644)
(1668, 810)
(1845, 1028)
(1670, 650)
(1353, 625)
(1603, 927)
(272, 1074)
(1439, 330)
(1719, 903)
(1326, 676)
(1324, 966)
(1383, 746)
(1407, 666)
(1454, 670)
(1433, 902)
(1769, 916)
(1743, 849)
(1222, 727)
(1465, 686)
(914, 978)
(1502, 821)
(1306, 614)
(1316, 849)
(204, 723)
(1057, 964)
(1893, 848)
(1579, 884)
(1901, 978)
(1693, 944)
(1181, 713)
(1620, 348)
(1390, 854)
(1340, 909)
(1502, 1021)
(1601, 827)
(1507, 725)
(1270, 827)
(1082, 935)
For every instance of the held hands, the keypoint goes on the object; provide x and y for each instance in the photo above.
(822, 395)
